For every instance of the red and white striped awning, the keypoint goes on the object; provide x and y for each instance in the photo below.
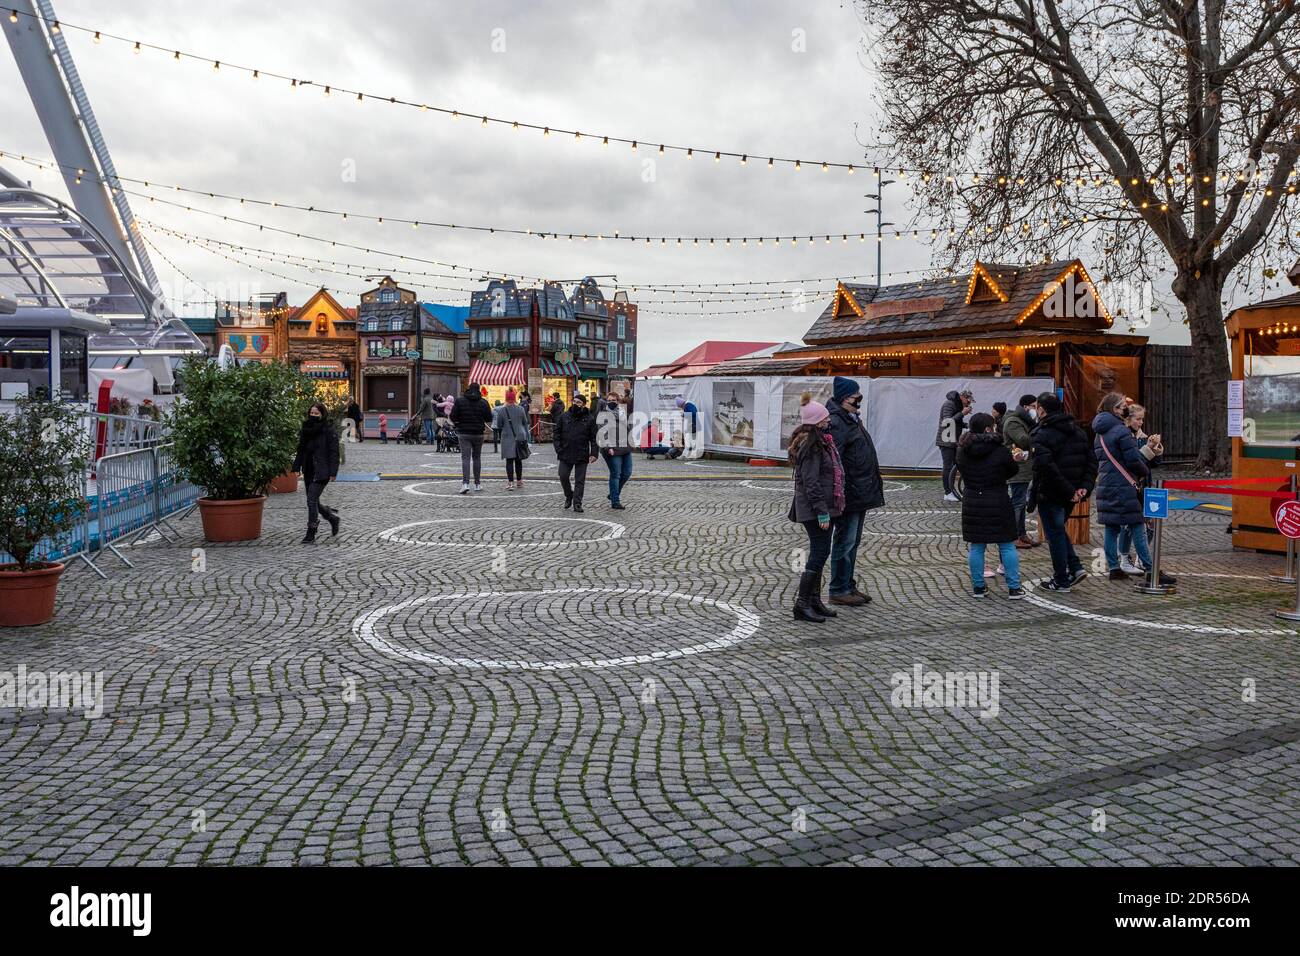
(504, 373)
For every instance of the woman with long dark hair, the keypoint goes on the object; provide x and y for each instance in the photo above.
(818, 497)
(318, 461)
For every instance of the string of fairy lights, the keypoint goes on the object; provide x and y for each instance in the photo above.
(239, 260)
(1082, 177)
(1022, 227)
(798, 293)
(701, 293)
(795, 298)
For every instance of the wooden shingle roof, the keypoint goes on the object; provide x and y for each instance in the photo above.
(995, 296)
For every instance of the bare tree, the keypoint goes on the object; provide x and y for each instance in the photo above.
(1161, 136)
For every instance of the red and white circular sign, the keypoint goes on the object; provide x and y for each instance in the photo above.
(1288, 519)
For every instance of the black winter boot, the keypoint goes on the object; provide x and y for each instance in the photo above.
(332, 517)
(815, 599)
(803, 610)
(310, 536)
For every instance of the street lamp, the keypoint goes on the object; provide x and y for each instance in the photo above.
(879, 212)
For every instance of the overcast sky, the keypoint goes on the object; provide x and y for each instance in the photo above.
(779, 77)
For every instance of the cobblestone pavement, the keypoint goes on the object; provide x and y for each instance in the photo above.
(499, 682)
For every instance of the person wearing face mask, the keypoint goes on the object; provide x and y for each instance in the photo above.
(864, 489)
(318, 462)
(1017, 426)
(818, 500)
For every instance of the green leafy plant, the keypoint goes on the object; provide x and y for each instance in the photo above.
(236, 429)
(43, 461)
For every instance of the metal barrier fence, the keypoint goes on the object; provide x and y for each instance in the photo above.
(111, 434)
(135, 492)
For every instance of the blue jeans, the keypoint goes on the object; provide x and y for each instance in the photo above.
(1010, 563)
(620, 470)
(847, 532)
(1111, 543)
(1126, 538)
(1064, 561)
(428, 430)
(1019, 495)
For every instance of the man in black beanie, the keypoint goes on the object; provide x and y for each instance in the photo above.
(863, 489)
(1065, 472)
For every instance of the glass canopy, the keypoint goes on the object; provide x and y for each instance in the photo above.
(53, 258)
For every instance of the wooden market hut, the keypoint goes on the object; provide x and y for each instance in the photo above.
(1264, 330)
(1044, 320)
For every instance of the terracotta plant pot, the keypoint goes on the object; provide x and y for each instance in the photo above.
(286, 484)
(239, 520)
(27, 597)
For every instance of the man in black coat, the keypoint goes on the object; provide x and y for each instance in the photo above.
(471, 414)
(354, 413)
(1065, 473)
(863, 488)
(575, 447)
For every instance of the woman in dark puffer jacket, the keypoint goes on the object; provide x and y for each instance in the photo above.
(987, 516)
(1121, 470)
(818, 497)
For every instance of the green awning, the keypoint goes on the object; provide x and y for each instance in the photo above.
(593, 373)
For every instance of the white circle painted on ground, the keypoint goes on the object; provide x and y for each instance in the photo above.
(749, 483)
(364, 628)
(615, 531)
(901, 485)
(1149, 625)
(411, 489)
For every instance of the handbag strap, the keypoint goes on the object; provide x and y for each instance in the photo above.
(1118, 467)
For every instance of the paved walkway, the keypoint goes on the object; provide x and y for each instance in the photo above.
(489, 679)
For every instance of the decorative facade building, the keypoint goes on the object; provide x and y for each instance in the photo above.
(388, 340)
(513, 330)
(254, 330)
(444, 347)
(591, 309)
(321, 342)
(622, 342)
(405, 347)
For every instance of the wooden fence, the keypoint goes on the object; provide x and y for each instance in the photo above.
(1167, 392)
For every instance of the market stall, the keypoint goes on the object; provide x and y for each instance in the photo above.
(1264, 411)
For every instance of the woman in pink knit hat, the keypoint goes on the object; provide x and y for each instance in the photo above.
(818, 497)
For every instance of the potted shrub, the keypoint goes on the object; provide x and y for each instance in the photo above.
(43, 460)
(235, 430)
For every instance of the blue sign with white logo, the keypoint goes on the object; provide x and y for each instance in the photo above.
(1155, 503)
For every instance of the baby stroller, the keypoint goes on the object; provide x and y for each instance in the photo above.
(444, 436)
(411, 433)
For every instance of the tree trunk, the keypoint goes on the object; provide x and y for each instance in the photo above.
(1210, 367)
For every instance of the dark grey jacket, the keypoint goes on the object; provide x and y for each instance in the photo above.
(814, 475)
(951, 409)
